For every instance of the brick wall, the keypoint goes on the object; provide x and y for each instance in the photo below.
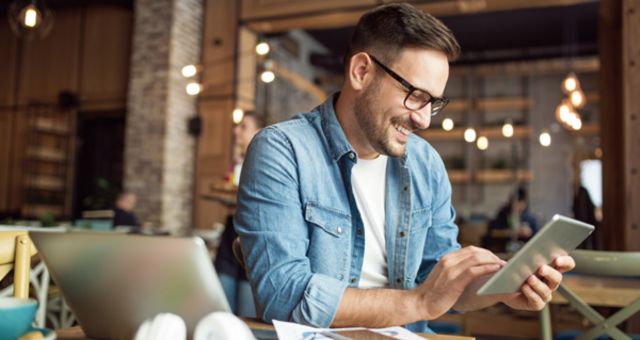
(159, 152)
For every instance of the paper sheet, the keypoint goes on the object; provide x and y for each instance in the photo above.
(294, 331)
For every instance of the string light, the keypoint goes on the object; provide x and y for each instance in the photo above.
(470, 135)
(570, 83)
(577, 99)
(193, 88)
(189, 71)
(262, 48)
(238, 114)
(447, 124)
(267, 76)
(545, 139)
(507, 129)
(482, 143)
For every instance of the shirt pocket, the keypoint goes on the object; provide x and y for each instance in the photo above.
(332, 221)
(421, 220)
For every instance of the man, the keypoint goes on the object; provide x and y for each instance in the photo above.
(345, 216)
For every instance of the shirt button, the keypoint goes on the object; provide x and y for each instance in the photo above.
(405, 188)
(351, 155)
(398, 280)
(353, 280)
(359, 231)
(403, 234)
(339, 230)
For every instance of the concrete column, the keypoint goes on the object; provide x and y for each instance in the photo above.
(159, 152)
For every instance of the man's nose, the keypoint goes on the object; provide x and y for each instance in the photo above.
(421, 118)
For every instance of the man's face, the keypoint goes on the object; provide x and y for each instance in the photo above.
(379, 109)
(244, 132)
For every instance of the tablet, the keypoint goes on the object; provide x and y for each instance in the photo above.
(558, 237)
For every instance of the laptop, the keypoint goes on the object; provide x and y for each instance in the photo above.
(113, 282)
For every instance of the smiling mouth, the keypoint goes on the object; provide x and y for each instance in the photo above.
(402, 129)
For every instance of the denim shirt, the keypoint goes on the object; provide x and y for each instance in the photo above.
(300, 231)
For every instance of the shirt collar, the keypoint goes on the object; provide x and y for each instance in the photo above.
(333, 132)
(339, 146)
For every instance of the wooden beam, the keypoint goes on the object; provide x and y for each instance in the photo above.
(311, 16)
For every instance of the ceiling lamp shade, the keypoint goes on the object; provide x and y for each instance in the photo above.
(30, 18)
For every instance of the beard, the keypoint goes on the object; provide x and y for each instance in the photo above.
(375, 130)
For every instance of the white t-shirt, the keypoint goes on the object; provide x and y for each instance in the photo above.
(368, 181)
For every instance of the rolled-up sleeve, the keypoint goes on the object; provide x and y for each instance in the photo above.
(274, 237)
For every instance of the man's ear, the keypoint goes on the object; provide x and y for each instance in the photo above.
(360, 72)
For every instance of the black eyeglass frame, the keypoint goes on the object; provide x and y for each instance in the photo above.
(435, 109)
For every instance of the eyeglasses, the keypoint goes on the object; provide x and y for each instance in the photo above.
(416, 98)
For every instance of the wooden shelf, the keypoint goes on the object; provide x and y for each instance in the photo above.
(503, 104)
(494, 132)
(591, 129)
(47, 154)
(42, 209)
(459, 176)
(47, 125)
(43, 182)
(502, 176)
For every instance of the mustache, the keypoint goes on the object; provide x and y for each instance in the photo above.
(404, 122)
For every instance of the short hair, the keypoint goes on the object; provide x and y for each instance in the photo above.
(387, 29)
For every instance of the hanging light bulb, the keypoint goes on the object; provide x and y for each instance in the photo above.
(577, 99)
(238, 114)
(470, 135)
(545, 139)
(482, 143)
(189, 71)
(447, 124)
(577, 124)
(507, 129)
(563, 110)
(570, 83)
(193, 88)
(267, 76)
(30, 18)
(262, 48)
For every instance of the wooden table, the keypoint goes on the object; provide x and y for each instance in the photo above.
(76, 333)
(601, 291)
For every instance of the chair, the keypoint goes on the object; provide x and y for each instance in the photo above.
(601, 264)
(16, 250)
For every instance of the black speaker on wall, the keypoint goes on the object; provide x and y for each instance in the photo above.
(194, 126)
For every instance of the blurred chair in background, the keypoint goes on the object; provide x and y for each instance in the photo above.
(599, 266)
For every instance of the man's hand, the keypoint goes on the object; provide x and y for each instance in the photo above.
(451, 276)
(536, 291)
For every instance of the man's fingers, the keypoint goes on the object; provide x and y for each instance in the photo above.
(534, 300)
(564, 263)
(540, 288)
(551, 276)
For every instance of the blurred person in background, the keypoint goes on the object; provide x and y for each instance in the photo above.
(232, 274)
(123, 215)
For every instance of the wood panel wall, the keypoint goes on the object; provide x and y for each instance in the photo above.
(87, 52)
(217, 100)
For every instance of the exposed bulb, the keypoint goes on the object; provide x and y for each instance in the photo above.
(545, 139)
(267, 76)
(577, 124)
(570, 83)
(482, 143)
(189, 71)
(563, 110)
(262, 48)
(577, 99)
(470, 135)
(507, 129)
(30, 16)
(447, 124)
(238, 114)
(193, 88)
